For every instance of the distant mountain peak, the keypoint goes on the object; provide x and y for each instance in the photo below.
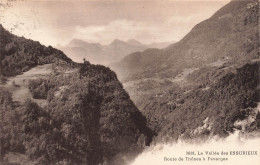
(97, 53)
(77, 42)
(134, 42)
(235, 23)
(117, 41)
(81, 43)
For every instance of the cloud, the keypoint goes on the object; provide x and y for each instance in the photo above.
(170, 30)
(120, 29)
(53, 22)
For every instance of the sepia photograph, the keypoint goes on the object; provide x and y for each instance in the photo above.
(129, 82)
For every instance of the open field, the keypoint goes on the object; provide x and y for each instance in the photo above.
(18, 85)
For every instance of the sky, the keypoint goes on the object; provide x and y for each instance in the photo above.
(57, 22)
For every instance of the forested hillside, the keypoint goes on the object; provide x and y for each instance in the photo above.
(18, 54)
(87, 117)
(210, 108)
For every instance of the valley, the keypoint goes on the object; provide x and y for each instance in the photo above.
(190, 80)
(201, 90)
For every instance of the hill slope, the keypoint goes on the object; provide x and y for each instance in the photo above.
(87, 117)
(203, 85)
(231, 33)
(18, 54)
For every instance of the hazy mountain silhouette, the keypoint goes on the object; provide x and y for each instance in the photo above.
(105, 54)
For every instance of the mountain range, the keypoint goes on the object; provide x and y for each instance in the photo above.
(232, 33)
(204, 86)
(205, 83)
(105, 54)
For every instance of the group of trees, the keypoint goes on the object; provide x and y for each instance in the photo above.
(11, 136)
(221, 96)
(39, 88)
(19, 54)
(88, 119)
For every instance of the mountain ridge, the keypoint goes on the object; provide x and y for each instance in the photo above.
(234, 32)
(18, 54)
(212, 73)
(105, 54)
